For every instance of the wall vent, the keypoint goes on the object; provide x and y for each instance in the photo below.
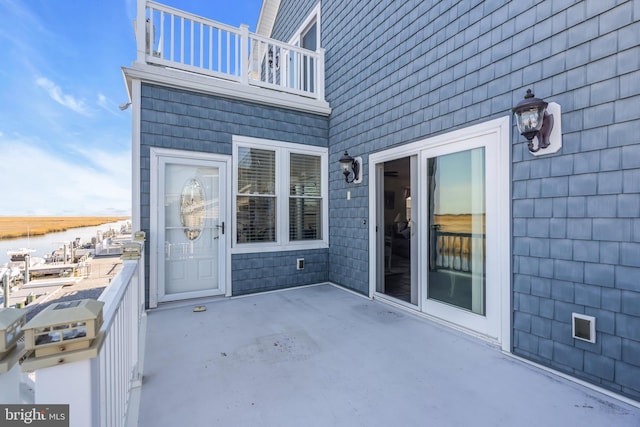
(584, 327)
(300, 264)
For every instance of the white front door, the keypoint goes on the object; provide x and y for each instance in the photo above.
(191, 227)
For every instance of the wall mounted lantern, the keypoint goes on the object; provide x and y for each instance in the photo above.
(271, 59)
(350, 166)
(539, 120)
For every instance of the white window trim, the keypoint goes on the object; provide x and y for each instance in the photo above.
(282, 149)
(313, 16)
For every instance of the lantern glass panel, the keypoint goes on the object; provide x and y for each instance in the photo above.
(530, 120)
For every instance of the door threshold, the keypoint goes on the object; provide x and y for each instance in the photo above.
(413, 309)
(170, 305)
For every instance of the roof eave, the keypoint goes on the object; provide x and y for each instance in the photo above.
(267, 17)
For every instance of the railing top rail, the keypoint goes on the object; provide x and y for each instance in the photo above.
(114, 293)
(281, 44)
(453, 233)
(193, 17)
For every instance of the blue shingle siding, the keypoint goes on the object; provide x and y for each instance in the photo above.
(593, 233)
(397, 72)
(184, 120)
(268, 271)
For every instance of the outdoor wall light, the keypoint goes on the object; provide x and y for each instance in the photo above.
(350, 166)
(536, 119)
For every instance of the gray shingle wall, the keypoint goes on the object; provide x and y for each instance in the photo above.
(575, 213)
(290, 17)
(277, 270)
(178, 119)
(401, 71)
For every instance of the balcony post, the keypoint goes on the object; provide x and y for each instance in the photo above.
(320, 75)
(141, 31)
(71, 384)
(244, 54)
(10, 384)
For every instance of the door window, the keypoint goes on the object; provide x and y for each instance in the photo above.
(456, 226)
(191, 230)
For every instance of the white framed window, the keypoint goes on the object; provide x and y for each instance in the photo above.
(308, 37)
(309, 31)
(280, 196)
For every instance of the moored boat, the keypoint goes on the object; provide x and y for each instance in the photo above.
(19, 254)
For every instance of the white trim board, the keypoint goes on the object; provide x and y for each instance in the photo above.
(174, 78)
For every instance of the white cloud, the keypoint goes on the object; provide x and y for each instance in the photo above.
(69, 101)
(41, 183)
(106, 104)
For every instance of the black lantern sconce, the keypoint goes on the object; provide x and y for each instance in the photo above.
(274, 61)
(350, 167)
(539, 119)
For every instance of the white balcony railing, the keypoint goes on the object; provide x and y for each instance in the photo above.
(98, 389)
(116, 369)
(180, 40)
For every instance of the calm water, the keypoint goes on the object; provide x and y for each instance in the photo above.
(52, 241)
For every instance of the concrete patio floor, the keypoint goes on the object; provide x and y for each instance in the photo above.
(322, 356)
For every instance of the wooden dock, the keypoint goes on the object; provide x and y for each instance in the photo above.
(52, 269)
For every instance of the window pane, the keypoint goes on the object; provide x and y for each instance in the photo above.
(305, 219)
(457, 230)
(305, 175)
(256, 219)
(256, 171)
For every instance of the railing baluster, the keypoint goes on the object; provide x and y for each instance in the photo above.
(456, 251)
(210, 48)
(228, 70)
(201, 45)
(173, 36)
(161, 41)
(296, 70)
(191, 45)
(235, 55)
(219, 64)
(307, 77)
(182, 39)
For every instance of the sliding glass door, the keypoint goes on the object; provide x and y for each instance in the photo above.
(441, 228)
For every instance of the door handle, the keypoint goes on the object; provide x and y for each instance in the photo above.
(221, 227)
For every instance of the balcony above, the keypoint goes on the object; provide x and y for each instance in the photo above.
(180, 49)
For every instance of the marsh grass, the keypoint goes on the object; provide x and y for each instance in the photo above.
(13, 227)
(460, 223)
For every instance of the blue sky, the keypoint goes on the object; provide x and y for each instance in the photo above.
(65, 146)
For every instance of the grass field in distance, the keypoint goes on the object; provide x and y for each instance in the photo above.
(12, 227)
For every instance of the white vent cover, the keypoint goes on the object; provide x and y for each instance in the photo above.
(584, 327)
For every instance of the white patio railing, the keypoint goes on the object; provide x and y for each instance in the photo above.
(98, 389)
(180, 40)
(116, 369)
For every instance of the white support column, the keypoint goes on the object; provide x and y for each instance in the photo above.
(136, 100)
(69, 383)
(244, 54)
(320, 75)
(10, 385)
(141, 28)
